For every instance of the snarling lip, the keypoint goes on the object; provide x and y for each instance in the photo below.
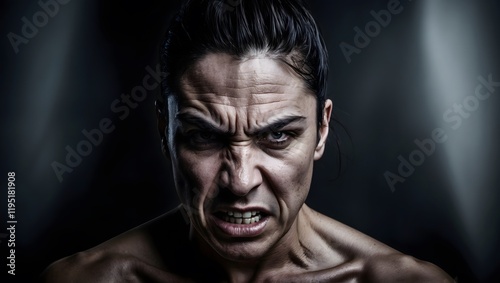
(241, 216)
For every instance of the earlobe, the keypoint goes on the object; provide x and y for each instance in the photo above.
(323, 130)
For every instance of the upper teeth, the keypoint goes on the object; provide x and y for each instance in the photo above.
(246, 214)
(247, 217)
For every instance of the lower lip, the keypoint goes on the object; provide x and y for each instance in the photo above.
(241, 230)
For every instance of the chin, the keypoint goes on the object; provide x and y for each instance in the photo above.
(241, 252)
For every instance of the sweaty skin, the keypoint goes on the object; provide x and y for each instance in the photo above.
(243, 136)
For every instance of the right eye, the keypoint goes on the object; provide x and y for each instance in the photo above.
(202, 139)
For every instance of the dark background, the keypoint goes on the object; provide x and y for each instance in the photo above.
(396, 90)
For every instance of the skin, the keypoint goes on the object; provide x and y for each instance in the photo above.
(243, 136)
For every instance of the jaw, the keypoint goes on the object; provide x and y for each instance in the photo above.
(265, 251)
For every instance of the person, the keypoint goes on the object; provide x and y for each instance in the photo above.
(242, 118)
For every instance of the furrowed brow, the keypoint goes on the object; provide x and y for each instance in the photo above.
(205, 125)
(278, 124)
(199, 122)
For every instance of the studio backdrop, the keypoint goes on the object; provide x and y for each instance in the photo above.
(412, 159)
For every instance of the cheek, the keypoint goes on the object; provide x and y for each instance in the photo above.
(291, 179)
(196, 177)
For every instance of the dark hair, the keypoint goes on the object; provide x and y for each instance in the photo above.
(283, 29)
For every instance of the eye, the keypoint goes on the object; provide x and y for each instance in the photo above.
(203, 136)
(276, 136)
(202, 139)
(276, 140)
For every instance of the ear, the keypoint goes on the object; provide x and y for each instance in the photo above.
(323, 130)
(162, 123)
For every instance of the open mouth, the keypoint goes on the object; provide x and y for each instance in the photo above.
(238, 217)
(241, 223)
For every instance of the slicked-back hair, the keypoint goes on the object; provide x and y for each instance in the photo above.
(281, 29)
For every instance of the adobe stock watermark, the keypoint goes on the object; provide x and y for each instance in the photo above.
(94, 137)
(363, 37)
(11, 222)
(454, 117)
(31, 27)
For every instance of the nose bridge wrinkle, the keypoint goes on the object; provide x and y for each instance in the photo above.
(240, 168)
(240, 156)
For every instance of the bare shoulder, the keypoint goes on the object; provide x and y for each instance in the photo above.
(90, 266)
(349, 254)
(134, 256)
(398, 267)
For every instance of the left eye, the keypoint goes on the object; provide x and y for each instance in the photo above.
(277, 136)
(276, 140)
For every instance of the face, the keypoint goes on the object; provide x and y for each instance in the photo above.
(243, 137)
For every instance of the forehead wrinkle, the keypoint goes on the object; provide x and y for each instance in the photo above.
(207, 91)
(259, 85)
(222, 74)
(239, 102)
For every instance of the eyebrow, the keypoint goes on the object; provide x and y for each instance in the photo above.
(206, 125)
(200, 123)
(278, 124)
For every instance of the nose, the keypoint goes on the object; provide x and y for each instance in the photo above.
(240, 173)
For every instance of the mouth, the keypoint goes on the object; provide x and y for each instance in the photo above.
(238, 217)
(241, 223)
